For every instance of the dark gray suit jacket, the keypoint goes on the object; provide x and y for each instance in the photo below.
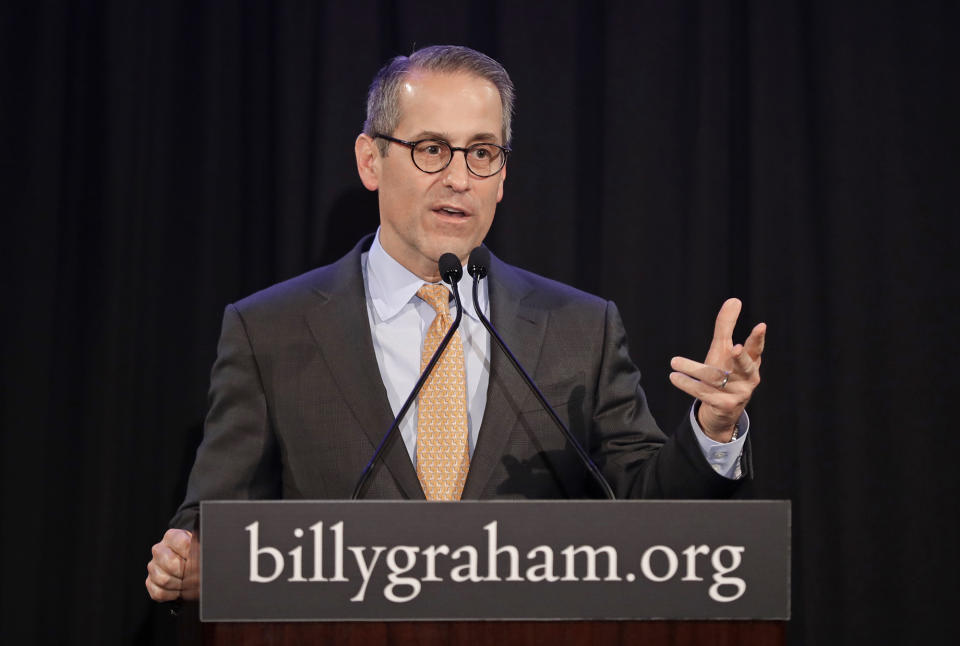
(297, 403)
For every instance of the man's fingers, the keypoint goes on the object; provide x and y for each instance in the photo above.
(159, 594)
(168, 561)
(704, 391)
(166, 569)
(743, 367)
(755, 342)
(708, 374)
(711, 384)
(163, 578)
(726, 321)
(694, 388)
(164, 574)
(746, 366)
(178, 540)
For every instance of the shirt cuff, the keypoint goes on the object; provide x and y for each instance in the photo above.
(724, 458)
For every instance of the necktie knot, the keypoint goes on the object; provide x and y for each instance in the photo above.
(437, 297)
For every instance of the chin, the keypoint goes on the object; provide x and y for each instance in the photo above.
(460, 248)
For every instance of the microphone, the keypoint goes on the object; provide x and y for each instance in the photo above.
(477, 266)
(451, 272)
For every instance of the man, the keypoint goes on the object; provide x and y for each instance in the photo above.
(310, 372)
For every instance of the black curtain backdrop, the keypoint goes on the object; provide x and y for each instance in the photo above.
(164, 158)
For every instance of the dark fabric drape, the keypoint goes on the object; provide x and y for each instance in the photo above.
(161, 159)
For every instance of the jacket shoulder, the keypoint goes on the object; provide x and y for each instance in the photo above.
(537, 289)
(343, 277)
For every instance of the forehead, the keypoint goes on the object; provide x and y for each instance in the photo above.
(460, 106)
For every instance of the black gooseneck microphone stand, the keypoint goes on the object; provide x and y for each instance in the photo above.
(477, 266)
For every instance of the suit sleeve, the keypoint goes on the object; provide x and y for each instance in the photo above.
(238, 457)
(635, 456)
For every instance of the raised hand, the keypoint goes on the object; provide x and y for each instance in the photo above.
(726, 379)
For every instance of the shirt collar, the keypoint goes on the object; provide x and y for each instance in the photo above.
(392, 285)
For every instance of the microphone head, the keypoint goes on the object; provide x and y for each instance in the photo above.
(450, 269)
(479, 262)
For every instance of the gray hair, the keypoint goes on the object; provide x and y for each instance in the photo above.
(383, 99)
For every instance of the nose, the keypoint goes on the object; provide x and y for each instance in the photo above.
(456, 175)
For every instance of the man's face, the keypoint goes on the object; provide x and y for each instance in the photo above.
(424, 215)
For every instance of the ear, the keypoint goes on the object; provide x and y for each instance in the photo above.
(368, 161)
(502, 178)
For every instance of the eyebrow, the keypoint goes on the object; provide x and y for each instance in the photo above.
(430, 134)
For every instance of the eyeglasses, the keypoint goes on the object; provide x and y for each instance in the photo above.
(433, 155)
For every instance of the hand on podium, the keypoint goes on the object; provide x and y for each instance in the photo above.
(173, 571)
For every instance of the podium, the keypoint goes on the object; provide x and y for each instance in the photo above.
(589, 633)
(565, 572)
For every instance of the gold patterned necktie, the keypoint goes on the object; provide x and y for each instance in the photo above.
(442, 455)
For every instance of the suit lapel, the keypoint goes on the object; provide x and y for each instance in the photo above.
(523, 327)
(340, 326)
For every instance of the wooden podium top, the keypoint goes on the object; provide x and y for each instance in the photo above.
(513, 633)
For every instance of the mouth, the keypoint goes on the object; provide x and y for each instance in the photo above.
(451, 212)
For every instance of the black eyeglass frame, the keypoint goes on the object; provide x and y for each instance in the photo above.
(412, 145)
